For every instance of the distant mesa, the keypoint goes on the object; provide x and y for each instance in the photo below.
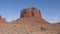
(2, 19)
(31, 15)
(30, 12)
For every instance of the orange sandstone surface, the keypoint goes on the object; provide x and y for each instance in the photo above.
(30, 22)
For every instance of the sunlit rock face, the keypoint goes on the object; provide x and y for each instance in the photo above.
(30, 22)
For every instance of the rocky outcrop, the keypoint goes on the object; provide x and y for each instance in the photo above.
(30, 12)
(31, 15)
(2, 19)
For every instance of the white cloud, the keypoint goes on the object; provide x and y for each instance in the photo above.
(57, 19)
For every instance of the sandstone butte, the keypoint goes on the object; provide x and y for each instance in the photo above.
(30, 22)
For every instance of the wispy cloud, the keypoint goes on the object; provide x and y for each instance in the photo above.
(57, 19)
(54, 19)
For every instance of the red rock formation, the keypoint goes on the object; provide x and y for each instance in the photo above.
(2, 19)
(30, 12)
(31, 15)
(30, 22)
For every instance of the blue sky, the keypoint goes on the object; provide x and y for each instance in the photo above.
(50, 9)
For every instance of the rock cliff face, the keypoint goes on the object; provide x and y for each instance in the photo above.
(30, 22)
(30, 12)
